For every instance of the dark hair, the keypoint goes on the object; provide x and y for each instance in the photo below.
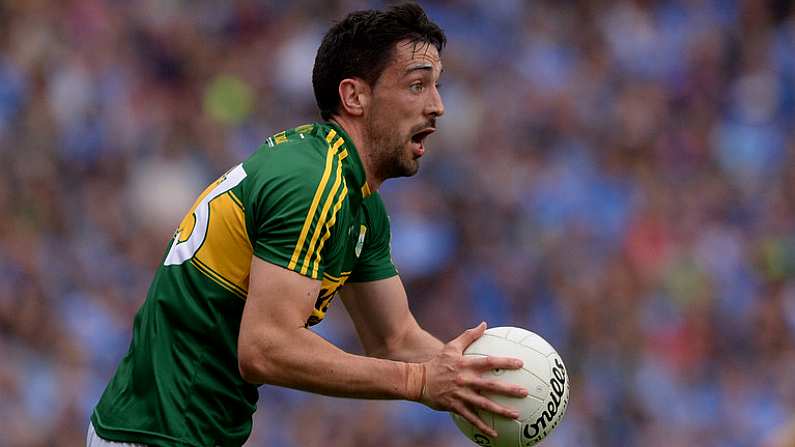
(362, 45)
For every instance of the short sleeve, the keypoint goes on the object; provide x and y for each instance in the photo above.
(375, 260)
(293, 198)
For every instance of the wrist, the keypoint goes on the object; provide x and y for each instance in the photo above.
(416, 380)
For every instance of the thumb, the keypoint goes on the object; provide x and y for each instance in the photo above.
(468, 336)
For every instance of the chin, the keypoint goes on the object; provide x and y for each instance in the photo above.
(406, 168)
(410, 168)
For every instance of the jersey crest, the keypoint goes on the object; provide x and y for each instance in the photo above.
(360, 241)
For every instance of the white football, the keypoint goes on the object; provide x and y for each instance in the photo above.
(543, 375)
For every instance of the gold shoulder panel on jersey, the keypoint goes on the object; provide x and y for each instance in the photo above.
(226, 250)
(189, 221)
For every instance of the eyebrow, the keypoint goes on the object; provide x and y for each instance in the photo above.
(425, 66)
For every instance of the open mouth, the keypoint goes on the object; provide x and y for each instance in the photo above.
(419, 137)
(419, 140)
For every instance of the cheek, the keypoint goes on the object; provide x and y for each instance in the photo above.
(402, 105)
(396, 115)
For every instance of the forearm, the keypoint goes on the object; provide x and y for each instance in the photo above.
(416, 345)
(303, 360)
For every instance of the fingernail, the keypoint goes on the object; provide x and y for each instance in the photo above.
(522, 391)
(518, 363)
(515, 415)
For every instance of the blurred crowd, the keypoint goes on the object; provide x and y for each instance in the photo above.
(617, 176)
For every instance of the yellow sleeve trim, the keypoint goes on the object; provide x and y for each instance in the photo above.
(324, 212)
(332, 150)
(329, 225)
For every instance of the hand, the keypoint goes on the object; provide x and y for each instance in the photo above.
(452, 381)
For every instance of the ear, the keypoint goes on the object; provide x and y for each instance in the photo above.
(354, 96)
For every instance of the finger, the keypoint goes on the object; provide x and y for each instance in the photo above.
(468, 336)
(473, 419)
(492, 362)
(494, 386)
(478, 401)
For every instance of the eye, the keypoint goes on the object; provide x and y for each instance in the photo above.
(417, 87)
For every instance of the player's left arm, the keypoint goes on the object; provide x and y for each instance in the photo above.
(386, 327)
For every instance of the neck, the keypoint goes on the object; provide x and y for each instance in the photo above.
(356, 130)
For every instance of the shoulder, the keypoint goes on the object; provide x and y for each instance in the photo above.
(300, 156)
(294, 167)
(300, 147)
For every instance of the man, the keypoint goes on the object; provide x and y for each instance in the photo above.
(265, 249)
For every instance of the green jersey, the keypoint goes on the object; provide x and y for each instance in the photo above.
(300, 202)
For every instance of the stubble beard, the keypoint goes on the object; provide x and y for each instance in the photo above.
(389, 155)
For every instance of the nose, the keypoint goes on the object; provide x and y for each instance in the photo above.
(435, 106)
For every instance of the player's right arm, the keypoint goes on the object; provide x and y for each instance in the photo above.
(275, 347)
(290, 190)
